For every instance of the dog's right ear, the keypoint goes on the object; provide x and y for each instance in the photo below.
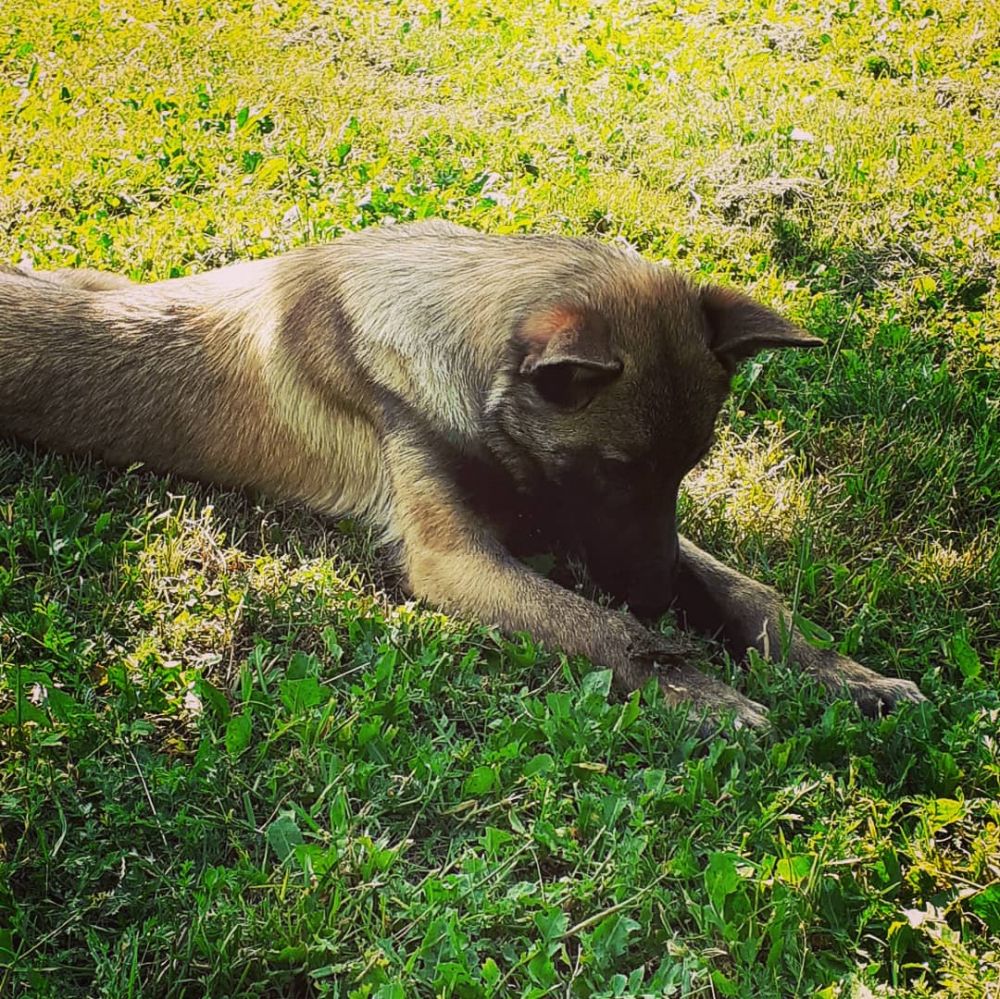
(739, 327)
(568, 355)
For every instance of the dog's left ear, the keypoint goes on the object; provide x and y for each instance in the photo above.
(739, 327)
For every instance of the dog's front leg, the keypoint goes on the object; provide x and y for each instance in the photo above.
(452, 561)
(748, 614)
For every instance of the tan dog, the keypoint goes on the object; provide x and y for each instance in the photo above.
(469, 395)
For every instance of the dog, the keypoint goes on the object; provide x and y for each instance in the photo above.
(469, 395)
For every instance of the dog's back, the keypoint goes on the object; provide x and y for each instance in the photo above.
(276, 374)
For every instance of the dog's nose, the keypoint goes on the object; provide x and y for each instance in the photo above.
(647, 594)
(649, 605)
(651, 591)
(650, 594)
(640, 572)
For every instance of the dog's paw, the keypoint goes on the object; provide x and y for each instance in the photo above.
(719, 722)
(874, 693)
(879, 696)
(751, 715)
(711, 701)
(733, 717)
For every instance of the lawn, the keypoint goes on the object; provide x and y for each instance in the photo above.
(234, 761)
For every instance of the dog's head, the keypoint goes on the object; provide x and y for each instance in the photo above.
(612, 400)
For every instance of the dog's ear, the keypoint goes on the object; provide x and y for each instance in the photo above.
(739, 327)
(568, 355)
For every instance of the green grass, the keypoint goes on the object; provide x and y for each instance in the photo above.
(233, 762)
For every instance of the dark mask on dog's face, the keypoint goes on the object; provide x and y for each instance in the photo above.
(612, 402)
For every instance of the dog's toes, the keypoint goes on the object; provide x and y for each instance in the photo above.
(752, 715)
(874, 693)
(719, 721)
(878, 697)
(712, 702)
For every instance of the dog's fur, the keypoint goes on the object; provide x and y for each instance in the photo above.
(469, 395)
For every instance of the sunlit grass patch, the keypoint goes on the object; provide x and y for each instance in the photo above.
(756, 484)
(947, 566)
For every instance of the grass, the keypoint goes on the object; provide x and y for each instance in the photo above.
(235, 763)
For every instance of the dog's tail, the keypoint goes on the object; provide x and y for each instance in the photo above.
(84, 278)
